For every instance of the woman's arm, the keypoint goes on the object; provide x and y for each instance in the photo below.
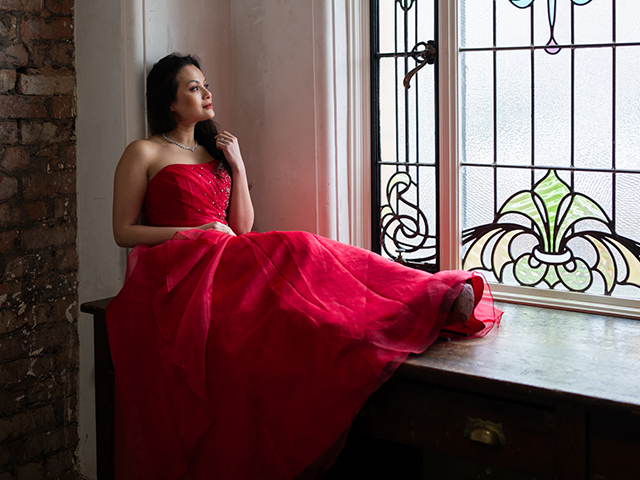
(241, 214)
(130, 187)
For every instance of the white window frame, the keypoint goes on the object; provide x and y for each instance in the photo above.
(450, 201)
(450, 196)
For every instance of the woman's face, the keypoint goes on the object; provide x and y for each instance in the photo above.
(193, 101)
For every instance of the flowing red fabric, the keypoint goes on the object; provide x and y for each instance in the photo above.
(248, 357)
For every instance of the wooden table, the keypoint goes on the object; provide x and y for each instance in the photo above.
(550, 394)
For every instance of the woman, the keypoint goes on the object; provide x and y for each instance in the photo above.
(242, 354)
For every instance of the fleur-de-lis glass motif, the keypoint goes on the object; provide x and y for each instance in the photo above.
(552, 45)
(572, 239)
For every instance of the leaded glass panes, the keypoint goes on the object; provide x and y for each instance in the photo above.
(404, 128)
(561, 78)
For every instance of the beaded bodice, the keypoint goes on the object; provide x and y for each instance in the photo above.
(184, 195)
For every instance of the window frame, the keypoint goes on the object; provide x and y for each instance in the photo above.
(450, 244)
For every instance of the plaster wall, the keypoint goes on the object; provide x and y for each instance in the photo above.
(273, 74)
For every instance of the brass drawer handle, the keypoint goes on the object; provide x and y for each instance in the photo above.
(484, 431)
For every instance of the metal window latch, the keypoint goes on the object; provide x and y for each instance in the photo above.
(422, 53)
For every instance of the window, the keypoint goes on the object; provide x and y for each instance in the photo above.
(404, 132)
(542, 145)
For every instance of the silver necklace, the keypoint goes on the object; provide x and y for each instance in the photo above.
(179, 144)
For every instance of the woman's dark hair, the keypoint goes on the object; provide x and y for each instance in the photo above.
(162, 85)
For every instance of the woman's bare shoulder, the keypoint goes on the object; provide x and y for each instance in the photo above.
(142, 153)
(143, 148)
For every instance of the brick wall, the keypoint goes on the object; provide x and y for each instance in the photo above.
(38, 229)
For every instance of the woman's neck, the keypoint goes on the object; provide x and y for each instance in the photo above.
(183, 135)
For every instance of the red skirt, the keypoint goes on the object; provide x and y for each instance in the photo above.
(248, 357)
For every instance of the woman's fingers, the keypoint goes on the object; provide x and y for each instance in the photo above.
(225, 138)
(219, 227)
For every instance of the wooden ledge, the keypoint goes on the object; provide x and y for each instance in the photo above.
(548, 354)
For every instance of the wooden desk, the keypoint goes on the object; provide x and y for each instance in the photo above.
(564, 388)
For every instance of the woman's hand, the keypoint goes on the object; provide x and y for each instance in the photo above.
(231, 149)
(240, 215)
(218, 227)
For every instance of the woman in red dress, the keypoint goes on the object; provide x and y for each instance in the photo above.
(243, 355)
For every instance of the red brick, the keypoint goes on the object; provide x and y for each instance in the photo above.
(62, 55)
(49, 185)
(51, 286)
(38, 84)
(22, 5)
(18, 106)
(8, 26)
(62, 107)
(12, 347)
(8, 187)
(10, 214)
(7, 80)
(15, 269)
(8, 132)
(15, 158)
(46, 132)
(38, 132)
(67, 259)
(37, 211)
(45, 236)
(38, 54)
(11, 452)
(55, 336)
(14, 56)
(11, 402)
(14, 372)
(7, 242)
(41, 366)
(61, 7)
(68, 359)
(63, 157)
(43, 443)
(30, 471)
(9, 322)
(53, 28)
(65, 207)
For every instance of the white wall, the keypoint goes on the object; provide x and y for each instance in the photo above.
(273, 74)
(291, 75)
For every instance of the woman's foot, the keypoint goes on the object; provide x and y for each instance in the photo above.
(462, 307)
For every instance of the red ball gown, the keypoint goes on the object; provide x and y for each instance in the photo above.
(248, 357)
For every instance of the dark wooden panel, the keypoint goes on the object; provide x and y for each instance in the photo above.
(614, 445)
(436, 418)
(105, 390)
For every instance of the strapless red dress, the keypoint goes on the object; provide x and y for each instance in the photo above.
(248, 357)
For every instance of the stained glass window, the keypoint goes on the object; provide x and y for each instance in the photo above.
(404, 130)
(550, 157)
(549, 140)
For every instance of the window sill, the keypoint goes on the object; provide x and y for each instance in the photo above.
(545, 353)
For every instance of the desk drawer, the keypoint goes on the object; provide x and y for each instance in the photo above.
(444, 421)
(614, 445)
